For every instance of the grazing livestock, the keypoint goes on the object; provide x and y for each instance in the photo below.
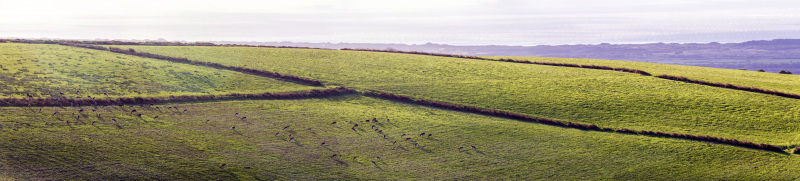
(373, 126)
(387, 121)
(395, 142)
(353, 128)
(423, 134)
(223, 165)
(366, 121)
(244, 118)
(133, 111)
(416, 144)
(155, 117)
(354, 158)
(54, 114)
(237, 114)
(334, 156)
(423, 147)
(384, 136)
(233, 128)
(429, 135)
(402, 135)
(291, 138)
(373, 163)
(473, 147)
(323, 144)
(408, 139)
(333, 123)
(278, 134)
(460, 148)
(356, 126)
(80, 111)
(207, 120)
(379, 158)
(309, 129)
(285, 128)
(93, 122)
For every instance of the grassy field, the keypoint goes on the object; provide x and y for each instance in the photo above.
(195, 144)
(282, 139)
(771, 81)
(44, 71)
(605, 98)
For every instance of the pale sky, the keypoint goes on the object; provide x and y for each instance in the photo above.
(458, 22)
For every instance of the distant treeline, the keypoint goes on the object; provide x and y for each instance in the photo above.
(150, 43)
(156, 100)
(729, 86)
(592, 127)
(508, 60)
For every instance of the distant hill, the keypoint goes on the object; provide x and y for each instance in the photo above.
(770, 55)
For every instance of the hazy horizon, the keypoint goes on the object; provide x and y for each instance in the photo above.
(475, 22)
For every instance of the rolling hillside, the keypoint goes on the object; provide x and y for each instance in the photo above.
(601, 97)
(54, 71)
(295, 131)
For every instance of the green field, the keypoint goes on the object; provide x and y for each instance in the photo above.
(45, 71)
(601, 97)
(186, 146)
(213, 141)
(771, 81)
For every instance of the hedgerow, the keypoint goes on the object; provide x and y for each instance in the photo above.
(509, 60)
(729, 86)
(154, 100)
(592, 127)
(220, 66)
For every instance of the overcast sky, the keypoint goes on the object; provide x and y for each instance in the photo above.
(459, 22)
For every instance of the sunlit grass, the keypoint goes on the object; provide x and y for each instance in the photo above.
(45, 71)
(602, 97)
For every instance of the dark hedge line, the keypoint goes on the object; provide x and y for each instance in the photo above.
(636, 71)
(220, 66)
(150, 43)
(84, 46)
(729, 86)
(504, 114)
(139, 100)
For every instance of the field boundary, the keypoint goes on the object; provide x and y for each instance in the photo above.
(319, 93)
(263, 73)
(581, 126)
(146, 43)
(729, 86)
(636, 71)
